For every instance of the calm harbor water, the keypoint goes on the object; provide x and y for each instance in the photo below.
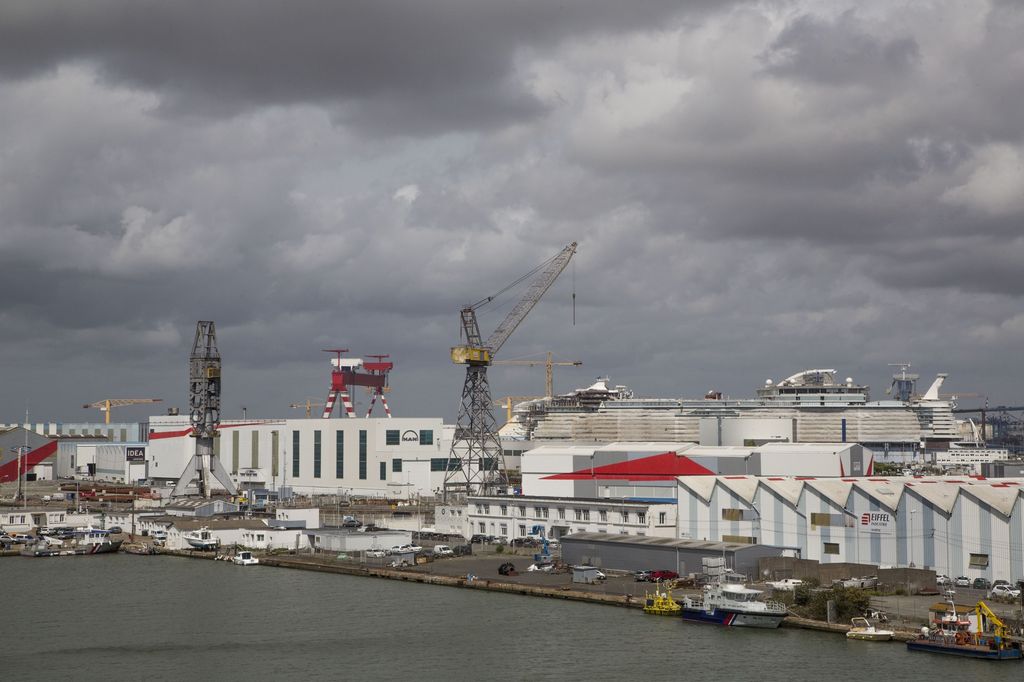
(127, 617)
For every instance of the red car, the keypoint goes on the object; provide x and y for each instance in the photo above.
(663, 575)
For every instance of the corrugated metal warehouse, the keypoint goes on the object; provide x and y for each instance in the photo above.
(632, 553)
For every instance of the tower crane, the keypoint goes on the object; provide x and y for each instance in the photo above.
(108, 403)
(309, 404)
(549, 365)
(475, 463)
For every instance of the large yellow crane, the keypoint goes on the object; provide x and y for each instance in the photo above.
(475, 461)
(108, 403)
(549, 365)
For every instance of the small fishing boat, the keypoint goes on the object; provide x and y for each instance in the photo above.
(862, 629)
(244, 559)
(201, 539)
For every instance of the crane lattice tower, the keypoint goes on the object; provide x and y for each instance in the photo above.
(475, 462)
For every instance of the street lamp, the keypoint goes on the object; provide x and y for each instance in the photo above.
(20, 449)
(910, 538)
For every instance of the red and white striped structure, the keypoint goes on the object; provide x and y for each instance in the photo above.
(346, 374)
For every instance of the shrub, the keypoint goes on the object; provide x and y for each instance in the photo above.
(850, 602)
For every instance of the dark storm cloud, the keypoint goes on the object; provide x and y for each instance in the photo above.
(756, 188)
(399, 65)
(839, 52)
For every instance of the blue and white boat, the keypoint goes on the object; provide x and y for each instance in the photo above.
(732, 604)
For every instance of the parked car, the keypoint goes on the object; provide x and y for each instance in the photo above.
(981, 584)
(21, 538)
(478, 538)
(599, 575)
(443, 550)
(642, 576)
(657, 576)
(376, 553)
(6, 540)
(1004, 592)
(115, 530)
(962, 581)
(786, 584)
(941, 579)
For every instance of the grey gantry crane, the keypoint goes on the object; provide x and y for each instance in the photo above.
(475, 463)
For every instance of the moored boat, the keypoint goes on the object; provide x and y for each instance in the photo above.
(734, 605)
(661, 603)
(85, 541)
(956, 635)
(862, 629)
(245, 559)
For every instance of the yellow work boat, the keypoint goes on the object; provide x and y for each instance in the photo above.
(661, 604)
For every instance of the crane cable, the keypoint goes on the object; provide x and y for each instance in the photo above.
(484, 301)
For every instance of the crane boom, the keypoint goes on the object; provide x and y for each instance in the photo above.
(536, 290)
(477, 352)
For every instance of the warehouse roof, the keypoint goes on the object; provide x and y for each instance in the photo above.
(649, 541)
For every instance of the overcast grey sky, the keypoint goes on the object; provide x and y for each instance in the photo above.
(756, 188)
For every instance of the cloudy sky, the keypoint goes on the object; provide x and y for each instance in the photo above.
(756, 188)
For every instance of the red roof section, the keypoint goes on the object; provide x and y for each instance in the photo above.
(9, 471)
(663, 467)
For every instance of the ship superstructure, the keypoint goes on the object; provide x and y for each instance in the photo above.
(817, 405)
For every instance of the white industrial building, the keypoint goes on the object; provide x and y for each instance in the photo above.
(555, 517)
(394, 458)
(953, 525)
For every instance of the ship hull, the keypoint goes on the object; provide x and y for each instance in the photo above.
(966, 651)
(730, 618)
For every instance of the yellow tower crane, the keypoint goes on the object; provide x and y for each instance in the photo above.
(510, 401)
(549, 365)
(309, 404)
(108, 403)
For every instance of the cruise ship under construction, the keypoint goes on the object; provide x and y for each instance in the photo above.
(809, 406)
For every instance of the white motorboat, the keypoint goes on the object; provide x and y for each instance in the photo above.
(861, 628)
(244, 559)
(201, 539)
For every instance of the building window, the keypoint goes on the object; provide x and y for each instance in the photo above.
(544, 512)
(396, 465)
(392, 437)
(586, 514)
(821, 519)
(442, 463)
(483, 527)
(831, 548)
(579, 514)
(522, 530)
(504, 510)
(362, 454)
(536, 512)
(316, 454)
(487, 509)
(641, 517)
(522, 510)
(295, 454)
(383, 470)
(625, 516)
(732, 514)
(661, 518)
(426, 437)
(603, 515)
(339, 454)
(739, 539)
(504, 528)
(979, 561)
(561, 513)
(479, 509)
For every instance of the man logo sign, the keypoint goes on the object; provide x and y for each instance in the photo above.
(411, 437)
